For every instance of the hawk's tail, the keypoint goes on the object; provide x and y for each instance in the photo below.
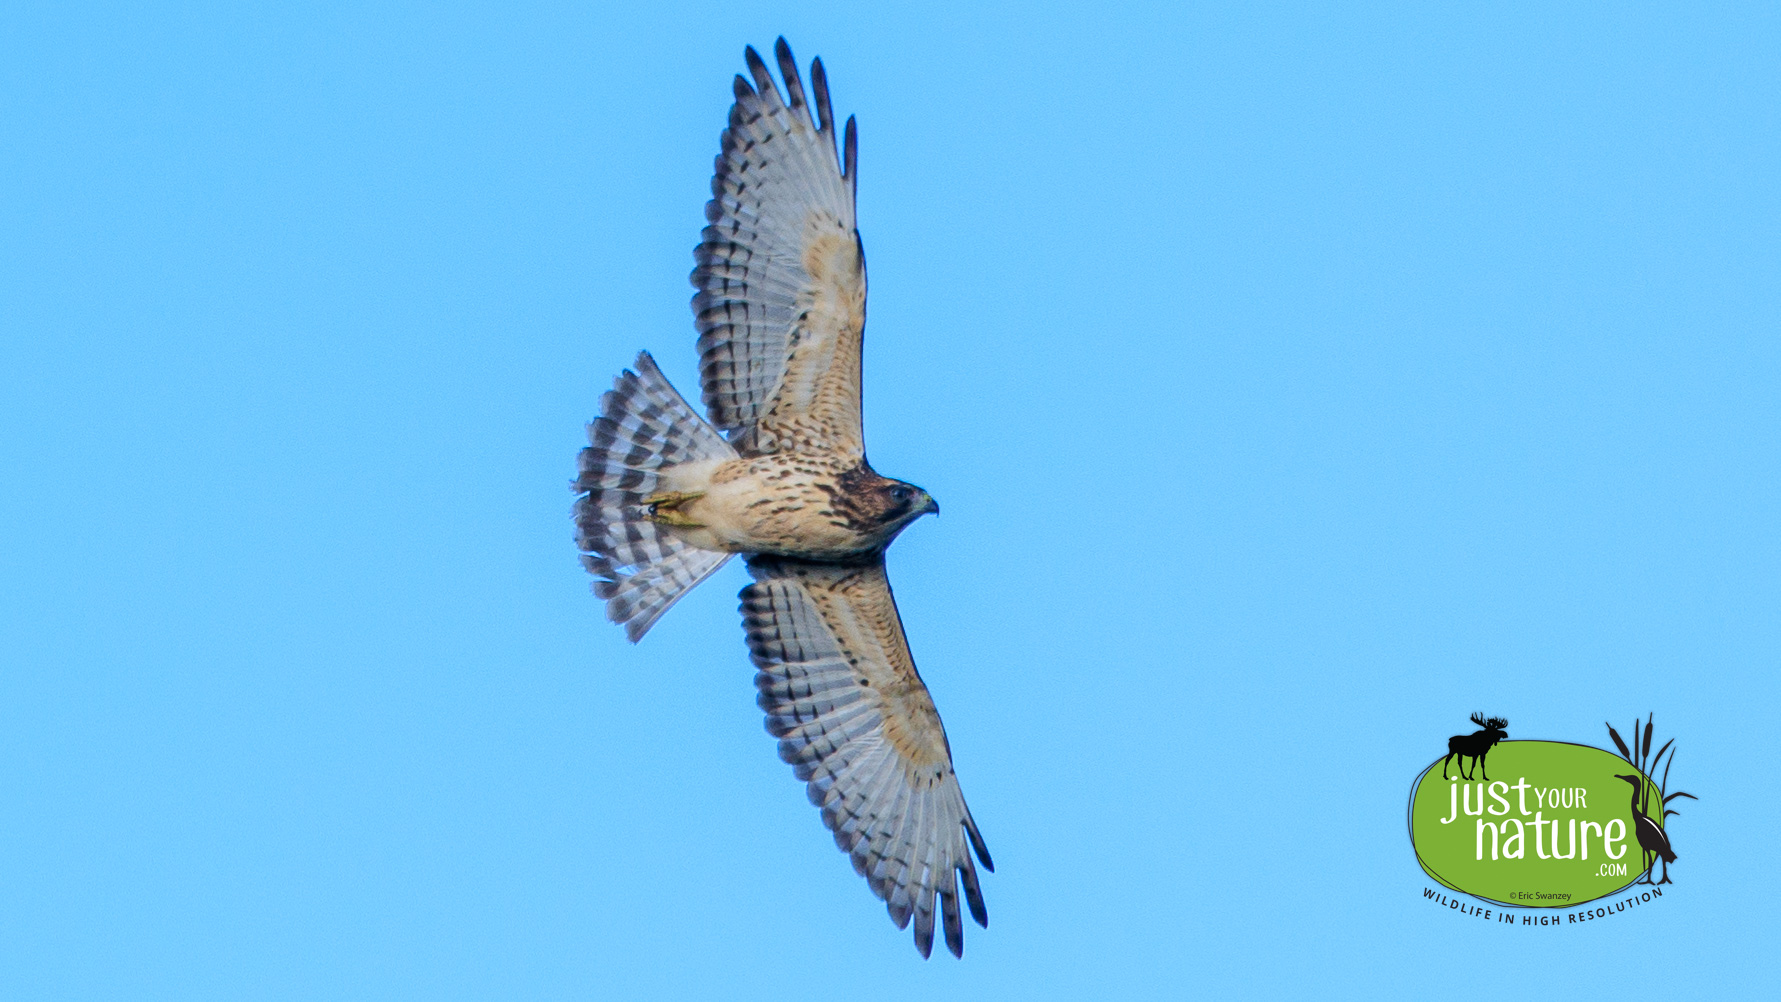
(644, 428)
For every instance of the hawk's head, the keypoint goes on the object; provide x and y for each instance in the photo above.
(871, 502)
(906, 502)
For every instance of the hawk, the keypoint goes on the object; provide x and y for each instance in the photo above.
(779, 475)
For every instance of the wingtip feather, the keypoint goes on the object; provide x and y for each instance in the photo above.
(757, 67)
(825, 115)
(850, 155)
(977, 844)
(788, 69)
(924, 940)
(974, 895)
(952, 924)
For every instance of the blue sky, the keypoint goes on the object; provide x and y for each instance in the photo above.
(1295, 380)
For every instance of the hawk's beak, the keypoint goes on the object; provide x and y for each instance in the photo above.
(932, 507)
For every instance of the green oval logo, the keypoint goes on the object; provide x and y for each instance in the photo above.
(1553, 826)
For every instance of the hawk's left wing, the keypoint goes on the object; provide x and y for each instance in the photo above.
(781, 306)
(854, 720)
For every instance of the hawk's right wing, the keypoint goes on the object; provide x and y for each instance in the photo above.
(855, 721)
(781, 305)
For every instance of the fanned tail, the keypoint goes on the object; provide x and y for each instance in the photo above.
(645, 427)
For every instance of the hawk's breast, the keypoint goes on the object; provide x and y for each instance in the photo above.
(786, 504)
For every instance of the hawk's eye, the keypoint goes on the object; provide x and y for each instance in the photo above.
(900, 492)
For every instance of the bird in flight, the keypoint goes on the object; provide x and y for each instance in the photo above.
(779, 475)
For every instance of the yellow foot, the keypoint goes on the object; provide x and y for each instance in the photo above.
(664, 509)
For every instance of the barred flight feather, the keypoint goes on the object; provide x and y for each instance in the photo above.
(841, 694)
(644, 428)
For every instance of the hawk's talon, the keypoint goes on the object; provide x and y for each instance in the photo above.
(664, 509)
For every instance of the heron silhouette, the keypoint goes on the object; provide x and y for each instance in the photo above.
(1650, 834)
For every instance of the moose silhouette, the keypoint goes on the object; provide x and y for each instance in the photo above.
(1475, 745)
